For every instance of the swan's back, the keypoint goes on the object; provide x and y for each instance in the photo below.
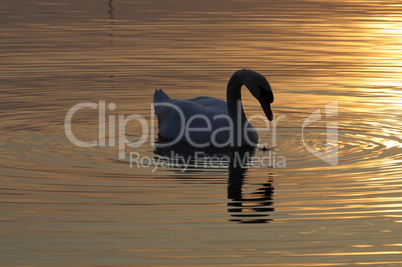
(213, 104)
(205, 105)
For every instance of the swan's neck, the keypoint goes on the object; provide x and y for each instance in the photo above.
(235, 109)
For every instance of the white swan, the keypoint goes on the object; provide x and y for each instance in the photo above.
(208, 121)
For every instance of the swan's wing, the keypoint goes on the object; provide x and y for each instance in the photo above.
(213, 104)
(181, 109)
(174, 114)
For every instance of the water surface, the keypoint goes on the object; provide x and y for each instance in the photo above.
(67, 205)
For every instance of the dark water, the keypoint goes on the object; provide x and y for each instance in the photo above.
(67, 205)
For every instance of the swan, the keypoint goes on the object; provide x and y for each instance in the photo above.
(207, 121)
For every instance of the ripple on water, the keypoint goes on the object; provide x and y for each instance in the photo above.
(360, 147)
(358, 144)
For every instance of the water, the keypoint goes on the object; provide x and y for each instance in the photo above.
(66, 205)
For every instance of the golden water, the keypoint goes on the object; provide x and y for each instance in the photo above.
(66, 205)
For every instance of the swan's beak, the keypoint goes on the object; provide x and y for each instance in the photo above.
(267, 110)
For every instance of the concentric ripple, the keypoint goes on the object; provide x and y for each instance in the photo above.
(357, 142)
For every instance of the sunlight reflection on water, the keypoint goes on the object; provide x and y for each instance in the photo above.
(63, 204)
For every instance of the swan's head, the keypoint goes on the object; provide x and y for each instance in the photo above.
(260, 89)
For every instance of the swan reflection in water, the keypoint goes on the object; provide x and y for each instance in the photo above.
(251, 208)
(244, 208)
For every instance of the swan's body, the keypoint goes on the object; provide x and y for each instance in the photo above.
(204, 121)
(170, 120)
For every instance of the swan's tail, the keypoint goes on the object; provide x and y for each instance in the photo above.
(159, 98)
